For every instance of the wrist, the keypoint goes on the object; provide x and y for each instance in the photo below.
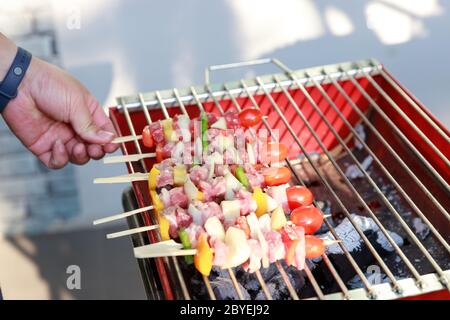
(8, 51)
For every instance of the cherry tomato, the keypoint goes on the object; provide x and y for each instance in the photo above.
(147, 137)
(275, 152)
(314, 247)
(159, 154)
(250, 117)
(276, 176)
(310, 218)
(299, 196)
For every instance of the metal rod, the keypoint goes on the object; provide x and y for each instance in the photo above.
(174, 259)
(372, 183)
(347, 254)
(412, 103)
(238, 108)
(407, 119)
(338, 200)
(230, 271)
(402, 163)
(383, 168)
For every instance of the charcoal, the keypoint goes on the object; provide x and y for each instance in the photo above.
(422, 230)
(224, 289)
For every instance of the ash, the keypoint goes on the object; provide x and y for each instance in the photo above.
(351, 239)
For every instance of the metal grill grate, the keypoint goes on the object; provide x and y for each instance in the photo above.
(326, 103)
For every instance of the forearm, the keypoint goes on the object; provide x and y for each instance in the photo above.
(8, 51)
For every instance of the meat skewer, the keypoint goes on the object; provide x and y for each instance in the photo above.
(280, 240)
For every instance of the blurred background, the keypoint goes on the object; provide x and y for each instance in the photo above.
(118, 47)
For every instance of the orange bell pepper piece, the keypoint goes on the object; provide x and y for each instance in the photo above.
(204, 256)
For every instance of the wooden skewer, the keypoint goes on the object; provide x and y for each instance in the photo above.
(122, 215)
(163, 246)
(124, 178)
(126, 139)
(130, 232)
(128, 158)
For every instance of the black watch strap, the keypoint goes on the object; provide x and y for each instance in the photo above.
(15, 75)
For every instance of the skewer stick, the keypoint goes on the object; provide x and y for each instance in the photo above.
(163, 246)
(124, 178)
(130, 232)
(122, 215)
(128, 158)
(126, 139)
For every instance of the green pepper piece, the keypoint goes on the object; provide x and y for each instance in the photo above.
(184, 238)
(242, 177)
(204, 128)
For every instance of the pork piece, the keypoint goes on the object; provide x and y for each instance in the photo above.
(178, 218)
(279, 194)
(213, 190)
(198, 173)
(220, 170)
(276, 246)
(181, 126)
(299, 260)
(254, 263)
(178, 197)
(194, 231)
(232, 119)
(157, 132)
(255, 178)
(220, 252)
(246, 200)
(166, 173)
(201, 211)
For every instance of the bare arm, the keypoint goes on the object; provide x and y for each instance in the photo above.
(54, 115)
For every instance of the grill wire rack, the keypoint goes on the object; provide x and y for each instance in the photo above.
(315, 111)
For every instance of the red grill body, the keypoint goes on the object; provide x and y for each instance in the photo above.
(329, 140)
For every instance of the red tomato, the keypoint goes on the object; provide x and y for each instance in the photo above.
(159, 154)
(299, 196)
(250, 117)
(274, 153)
(314, 247)
(276, 176)
(147, 137)
(310, 218)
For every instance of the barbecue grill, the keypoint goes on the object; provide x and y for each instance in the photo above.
(332, 118)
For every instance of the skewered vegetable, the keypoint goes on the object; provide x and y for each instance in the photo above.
(147, 138)
(299, 196)
(278, 219)
(184, 238)
(250, 117)
(309, 218)
(204, 257)
(242, 177)
(276, 176)
(314, 247)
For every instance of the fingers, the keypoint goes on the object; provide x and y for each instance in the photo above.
(79, 154)
(95, 151)
(92, 131)
(57, 158)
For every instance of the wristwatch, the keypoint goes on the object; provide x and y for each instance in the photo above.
(13, 78)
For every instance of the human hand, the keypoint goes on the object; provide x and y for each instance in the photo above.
(54, 115)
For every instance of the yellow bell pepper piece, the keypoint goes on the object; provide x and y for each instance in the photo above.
(153, 178)
(200, 196)
(158, 205)
(168, 129)
(261, 201)
(179, 175)
(204, 256)
(163, 227)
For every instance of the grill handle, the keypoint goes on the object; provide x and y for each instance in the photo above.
(243, 64)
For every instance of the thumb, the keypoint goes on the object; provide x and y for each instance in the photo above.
(83, 123)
